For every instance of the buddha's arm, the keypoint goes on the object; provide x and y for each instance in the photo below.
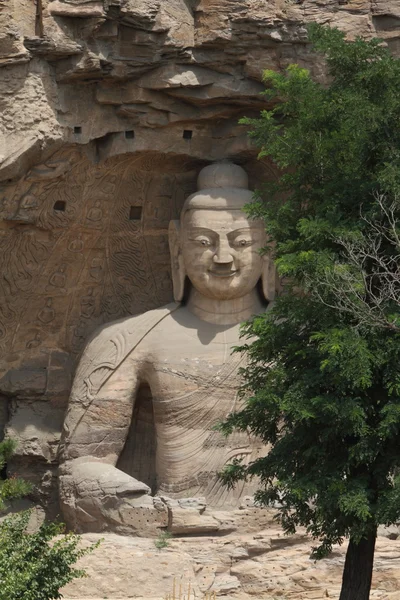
(99, 429)
(105, 386)
(101, 402)
(94, 434)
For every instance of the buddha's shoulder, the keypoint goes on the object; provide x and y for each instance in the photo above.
(132, 328)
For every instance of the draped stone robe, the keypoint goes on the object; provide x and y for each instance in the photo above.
(193, 377)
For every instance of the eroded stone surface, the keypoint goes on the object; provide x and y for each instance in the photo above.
(281, 568)
(108, 111)
(183, 353)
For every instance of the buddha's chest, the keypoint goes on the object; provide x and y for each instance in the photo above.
(182, 357)
(173, 375)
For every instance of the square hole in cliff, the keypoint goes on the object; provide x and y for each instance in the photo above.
(77, 130)
(187, 134)
(135, 213)
(59, 205)
(130, 134)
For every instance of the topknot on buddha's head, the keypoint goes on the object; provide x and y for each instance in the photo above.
(221, 186)
(223, 174)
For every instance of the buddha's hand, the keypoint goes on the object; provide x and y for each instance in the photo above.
(97, 496)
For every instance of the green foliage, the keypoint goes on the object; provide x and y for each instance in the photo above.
(34, 566)
(11, 488)
(322, 386)
(162, 540)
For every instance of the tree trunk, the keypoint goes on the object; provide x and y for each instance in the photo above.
(357, 574)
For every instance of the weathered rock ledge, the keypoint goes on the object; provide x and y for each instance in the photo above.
(245, 564)
(108, 111)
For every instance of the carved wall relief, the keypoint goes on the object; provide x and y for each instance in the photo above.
(82, 244)
(108, 112)
(74, 252)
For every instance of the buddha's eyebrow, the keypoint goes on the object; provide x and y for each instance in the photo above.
(241, 230)
(230, 234)
(201, 230)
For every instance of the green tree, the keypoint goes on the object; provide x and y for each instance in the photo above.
(33, 566)
(13, 487)
(322, 385)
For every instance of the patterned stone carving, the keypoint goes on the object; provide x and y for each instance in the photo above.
(104, 124)
(71, 252)
(183, 354)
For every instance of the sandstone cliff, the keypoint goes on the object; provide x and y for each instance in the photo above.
(108, 110)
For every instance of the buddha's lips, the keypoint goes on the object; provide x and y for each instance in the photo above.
(223, 273)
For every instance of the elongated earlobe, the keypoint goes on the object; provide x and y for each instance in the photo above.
(178, 270)
(269, 279)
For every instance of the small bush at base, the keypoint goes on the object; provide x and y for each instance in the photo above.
(162, 540)
(35, 566)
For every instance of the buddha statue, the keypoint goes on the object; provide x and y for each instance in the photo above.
(183, 353)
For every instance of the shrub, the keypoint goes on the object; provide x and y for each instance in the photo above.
(34, 566)
(162, 540)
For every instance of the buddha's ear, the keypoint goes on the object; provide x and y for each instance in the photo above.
(178, 269)
(269, 278)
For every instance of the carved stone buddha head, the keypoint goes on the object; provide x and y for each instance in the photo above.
(215, 245)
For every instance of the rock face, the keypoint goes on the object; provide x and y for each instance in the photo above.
(182, 352)
(247, 563)
(109, 109)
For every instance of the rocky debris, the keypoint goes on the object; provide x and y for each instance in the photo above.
(225, 584)
(392, 531)
(198, 504)
(135, 568)
(43, 46)
(26, 419)
(83, 10)
(190, 521)
(220, 564)
(188, 516)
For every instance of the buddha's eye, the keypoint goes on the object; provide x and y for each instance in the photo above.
(242, 243)
(203, 241)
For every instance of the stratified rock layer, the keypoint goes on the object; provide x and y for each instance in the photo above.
(252, 562)
(109, 109)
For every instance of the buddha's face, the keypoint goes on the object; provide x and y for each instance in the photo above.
(220, 250)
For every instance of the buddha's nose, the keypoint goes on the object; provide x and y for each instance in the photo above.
(223, 254)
